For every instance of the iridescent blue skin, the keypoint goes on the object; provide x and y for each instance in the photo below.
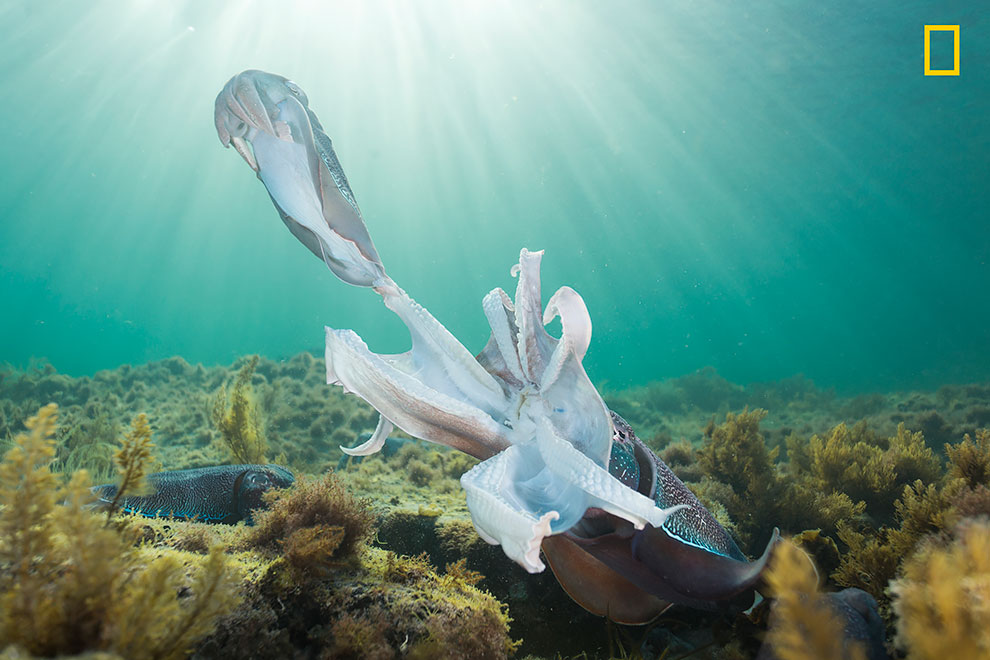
(220, 494)
(694, 525)
(630, 575)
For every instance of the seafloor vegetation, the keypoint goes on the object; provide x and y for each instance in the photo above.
(885, 498)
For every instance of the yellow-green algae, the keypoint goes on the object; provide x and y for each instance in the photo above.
(878, 493)
(806, 625)
(236, 416)
(318, 584)
(71, 585)
(943, 599)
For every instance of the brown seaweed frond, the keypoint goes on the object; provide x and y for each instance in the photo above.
(970, 459)
(870, 561)
(742, 472)
(238, 419)
(459, 573)
(736, 454)
(87, 443)
(29, 493)
(911, 458)
(866, 468)
(804, 624)
(943, 600)
(921, 510)
(405, 608)
(68, 584)
(318, 523)
(873, 558)
(132, 459)
(839, 464)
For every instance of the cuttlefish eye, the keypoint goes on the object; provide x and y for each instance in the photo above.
(257, 480)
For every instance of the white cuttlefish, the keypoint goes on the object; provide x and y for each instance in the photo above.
(524, 405)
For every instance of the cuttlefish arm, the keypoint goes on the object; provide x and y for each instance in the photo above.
(266, 118)
(557, 466)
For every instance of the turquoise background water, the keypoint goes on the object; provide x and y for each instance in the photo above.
(768, 189)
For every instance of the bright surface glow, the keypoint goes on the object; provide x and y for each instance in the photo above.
(770, 190)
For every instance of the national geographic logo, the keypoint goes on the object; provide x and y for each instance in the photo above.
(954, 71)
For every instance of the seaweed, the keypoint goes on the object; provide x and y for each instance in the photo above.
(132, 460)
(459, 621)
(382, 605)
(736, 456)
(237, 418)
(87, 444)
(805, 625)
(943, 600)
(69, 584)
(970, 459)
(873, 557)
(867, 468)
(316, 523)
(869, 562)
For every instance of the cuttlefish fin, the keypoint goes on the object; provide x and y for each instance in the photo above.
(340, 208)
(596, 587)
(696, 573)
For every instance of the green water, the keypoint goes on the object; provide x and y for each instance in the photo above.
(771, 189)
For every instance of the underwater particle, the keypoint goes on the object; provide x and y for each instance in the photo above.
(217, 494)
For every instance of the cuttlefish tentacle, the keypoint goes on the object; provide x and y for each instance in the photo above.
(557, 468)
(267, 119)
(438, 358)
(534, 343)
(501, 355)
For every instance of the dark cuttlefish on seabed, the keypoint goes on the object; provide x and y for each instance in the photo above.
(218, 494)
(558, 471)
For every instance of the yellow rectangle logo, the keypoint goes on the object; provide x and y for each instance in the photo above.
(954, 29)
